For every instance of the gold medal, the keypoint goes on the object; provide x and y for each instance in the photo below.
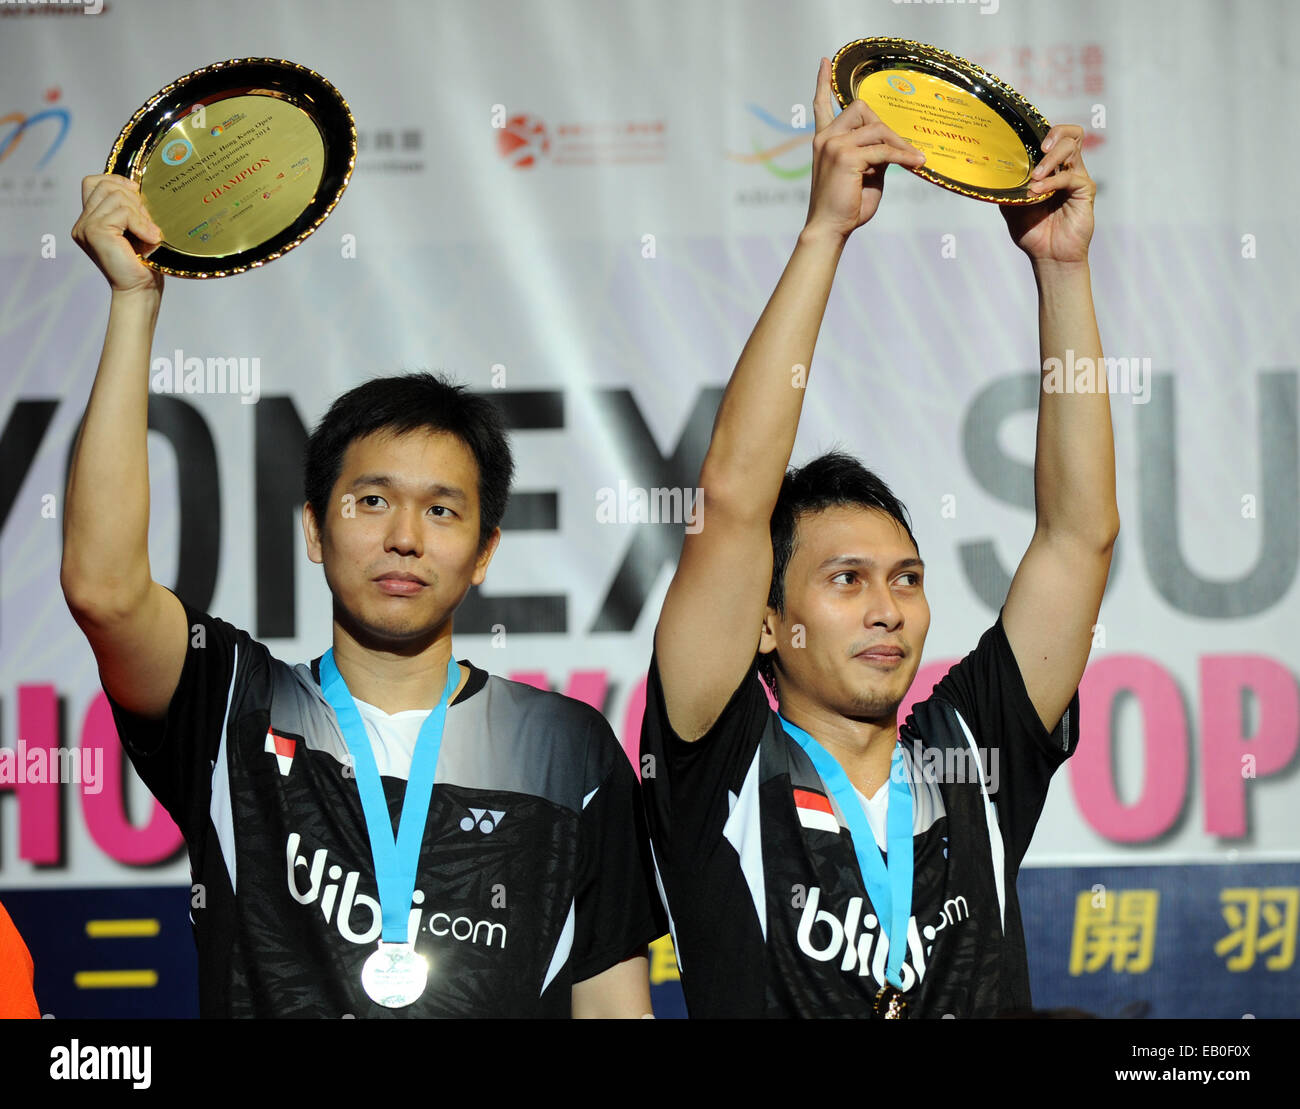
(889, 1004)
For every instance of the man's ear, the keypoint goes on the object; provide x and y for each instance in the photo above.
(767, 637)
(311, 532)
(485, 556)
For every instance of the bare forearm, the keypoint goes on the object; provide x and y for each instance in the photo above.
(1074, 473)
(759, 415)
(106, 508)
(622, 991)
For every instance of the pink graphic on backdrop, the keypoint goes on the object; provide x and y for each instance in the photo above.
(587, 686)
(632, 722)
(39, 803)
(591, 687)
(1225, 679)
(105, 813)
(1165, 756)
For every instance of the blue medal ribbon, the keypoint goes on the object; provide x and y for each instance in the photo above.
(396, 862)
(888, 887)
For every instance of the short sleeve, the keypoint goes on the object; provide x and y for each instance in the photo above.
(686, 784)
(1020, 755)
(617, 909)
(174, 756)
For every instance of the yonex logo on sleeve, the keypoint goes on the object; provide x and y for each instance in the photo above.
(486, 820)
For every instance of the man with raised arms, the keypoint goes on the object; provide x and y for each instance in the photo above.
(357, 856)
(824, 860)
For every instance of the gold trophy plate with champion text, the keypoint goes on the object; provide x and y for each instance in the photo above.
(980, 137)
(237, 162)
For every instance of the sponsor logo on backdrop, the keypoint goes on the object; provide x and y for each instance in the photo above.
(1070, 73)
(780, 147)
(390, 150)
(48, 127)
(783, 150)
(524, 141)
(29, 140)
(1060, 70)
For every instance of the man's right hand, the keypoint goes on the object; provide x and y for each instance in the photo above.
(137, 628)
(712, 618)
(112, 207)
(851, 152)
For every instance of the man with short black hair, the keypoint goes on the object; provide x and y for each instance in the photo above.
(819, 859)
(385, 831)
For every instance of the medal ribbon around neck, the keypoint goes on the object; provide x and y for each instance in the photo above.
(889, 887)
(396, 862)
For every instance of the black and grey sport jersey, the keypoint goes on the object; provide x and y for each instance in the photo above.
(769, 913)
(534, 872)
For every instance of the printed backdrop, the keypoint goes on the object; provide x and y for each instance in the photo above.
(581, 208)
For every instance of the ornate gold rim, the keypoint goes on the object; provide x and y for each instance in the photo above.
(924, 48)
(137, 172)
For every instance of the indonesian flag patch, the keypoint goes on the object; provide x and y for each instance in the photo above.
(282, 748)
(815, 811)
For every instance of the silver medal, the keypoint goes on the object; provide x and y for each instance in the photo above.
(395, 975)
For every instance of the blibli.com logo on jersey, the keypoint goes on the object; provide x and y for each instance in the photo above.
(345, 908)
(825, 937)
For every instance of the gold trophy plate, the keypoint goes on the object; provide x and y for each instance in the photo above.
(980, 137)
(237, 162)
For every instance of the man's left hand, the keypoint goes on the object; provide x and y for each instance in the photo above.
(1057, 229)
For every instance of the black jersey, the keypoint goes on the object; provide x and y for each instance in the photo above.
(768, 910)
(533, 875)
